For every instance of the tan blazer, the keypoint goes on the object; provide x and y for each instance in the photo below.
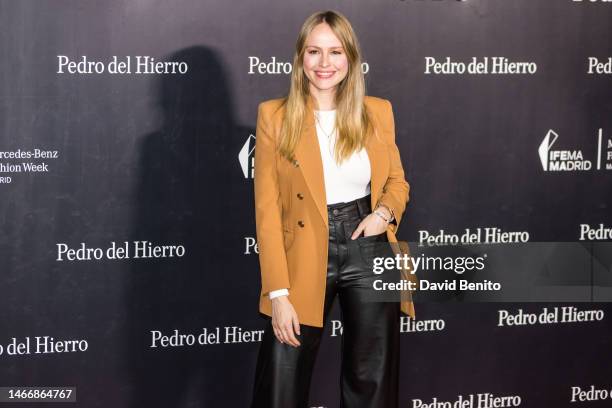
(291, 207)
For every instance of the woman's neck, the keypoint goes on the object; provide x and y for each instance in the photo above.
(325, 100)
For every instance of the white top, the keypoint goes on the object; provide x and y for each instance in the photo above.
(345, 182)
(351, 179)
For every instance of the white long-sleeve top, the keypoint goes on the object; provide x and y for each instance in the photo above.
(345, 182)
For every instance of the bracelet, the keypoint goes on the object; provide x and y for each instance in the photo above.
(388, 209)
(381, 216)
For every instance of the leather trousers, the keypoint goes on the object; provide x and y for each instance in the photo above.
(370, 339)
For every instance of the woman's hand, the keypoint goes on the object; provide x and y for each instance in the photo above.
(285, 321)
(372, 224)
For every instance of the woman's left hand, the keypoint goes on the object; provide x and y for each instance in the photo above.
(370, 225)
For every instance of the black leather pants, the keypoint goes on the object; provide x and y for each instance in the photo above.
(370, 339)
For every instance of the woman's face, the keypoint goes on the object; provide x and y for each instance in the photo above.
(325, 62)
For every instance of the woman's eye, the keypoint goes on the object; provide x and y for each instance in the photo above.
(316, 51)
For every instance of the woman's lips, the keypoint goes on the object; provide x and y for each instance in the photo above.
(324, 75)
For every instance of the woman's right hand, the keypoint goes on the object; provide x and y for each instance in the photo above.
(285, 321)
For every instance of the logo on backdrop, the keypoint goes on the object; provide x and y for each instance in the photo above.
(139, 64)
(480, 400)
(42, 345)
(246, 157)
(588, 233)
(274, 67)
(597, 67)
(205, 337)
(561, 160)
(407, 325)
(573, 160)
(118, 251)
(250, 246)
(479, 66)
(476, 236)
(34, 161)
(555, 315)
(592, 394)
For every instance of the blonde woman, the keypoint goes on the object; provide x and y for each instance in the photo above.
(329, 185)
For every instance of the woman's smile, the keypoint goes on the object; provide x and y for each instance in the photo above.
(324, 74)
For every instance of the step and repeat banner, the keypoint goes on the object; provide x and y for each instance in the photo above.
(130, 273)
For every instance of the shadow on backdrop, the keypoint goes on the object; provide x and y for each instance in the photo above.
(192, 192)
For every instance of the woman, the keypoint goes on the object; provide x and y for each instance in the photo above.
(325, 157)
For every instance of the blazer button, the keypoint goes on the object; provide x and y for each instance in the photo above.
(301, 223)
(300, 196)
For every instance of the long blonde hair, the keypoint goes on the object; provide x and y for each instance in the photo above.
(352, 118)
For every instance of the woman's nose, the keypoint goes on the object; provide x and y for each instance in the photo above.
(324, 60)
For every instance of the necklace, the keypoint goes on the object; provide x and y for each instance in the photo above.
(321, 126)
(328, 135)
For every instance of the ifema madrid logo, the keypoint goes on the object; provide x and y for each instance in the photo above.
(246, 157)
(573, 160)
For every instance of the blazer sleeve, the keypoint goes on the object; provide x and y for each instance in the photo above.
(270, 240)
(396, 189)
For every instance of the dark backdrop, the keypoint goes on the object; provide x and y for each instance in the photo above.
(163, 158)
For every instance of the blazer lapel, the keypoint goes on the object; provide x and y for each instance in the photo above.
(308, 156)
